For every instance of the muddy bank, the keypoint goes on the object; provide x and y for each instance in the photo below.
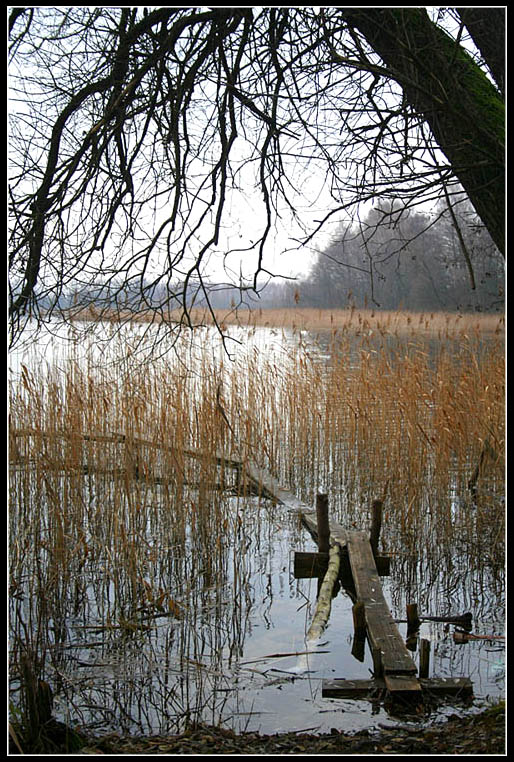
(483, 733)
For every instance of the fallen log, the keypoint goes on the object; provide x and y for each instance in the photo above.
(324, 602)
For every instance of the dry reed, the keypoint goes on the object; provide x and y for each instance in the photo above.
(114, 524)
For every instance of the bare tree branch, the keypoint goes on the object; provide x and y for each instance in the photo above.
(134, 132)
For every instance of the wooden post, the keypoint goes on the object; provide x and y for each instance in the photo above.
(378, 666)
(323, 525)
(359, 618)
(376, 525)
(413, 622)
(359, 631)
(424, 657)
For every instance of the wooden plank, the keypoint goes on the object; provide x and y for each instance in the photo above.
(341, 688)
(448, 686)
(308, 564)
(354, 689)
(402, 684)
(337, 533)
(269, 487)
(396, 685)
(383, 634)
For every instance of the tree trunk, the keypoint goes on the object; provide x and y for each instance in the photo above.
(464, 110)
(324, 601)
(487, 28)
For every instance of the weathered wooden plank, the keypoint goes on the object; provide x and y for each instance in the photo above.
(383, 634)
(269, 487)
(337, 533)
(449, 686)
(343, 688)
(402, 684)
(308, 564)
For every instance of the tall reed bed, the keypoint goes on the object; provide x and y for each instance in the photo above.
(404, 420)
(127, 532)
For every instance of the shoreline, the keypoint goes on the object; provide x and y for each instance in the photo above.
(309, 319)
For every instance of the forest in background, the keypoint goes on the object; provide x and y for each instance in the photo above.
(393, 258)
(396, 258)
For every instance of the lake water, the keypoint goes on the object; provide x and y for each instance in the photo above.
(235, 655)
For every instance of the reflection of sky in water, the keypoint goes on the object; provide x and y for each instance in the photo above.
(255, 688)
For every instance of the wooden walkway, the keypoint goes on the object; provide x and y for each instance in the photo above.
(392, 661)
(394, 669)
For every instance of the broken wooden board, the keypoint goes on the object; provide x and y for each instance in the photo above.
(461, 687)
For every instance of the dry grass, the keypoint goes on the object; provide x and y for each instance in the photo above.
(113, 524)
(359, 321)
(363, 321)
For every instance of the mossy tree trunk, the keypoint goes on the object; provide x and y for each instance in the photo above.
(442, 83)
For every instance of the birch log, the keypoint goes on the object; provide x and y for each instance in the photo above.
(324, 602)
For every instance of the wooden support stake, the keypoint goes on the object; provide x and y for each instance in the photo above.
(359, 618)
(323, 523)
(376, 525)
(359, 634)
(424, 657)
(378, 667)
(413, 621)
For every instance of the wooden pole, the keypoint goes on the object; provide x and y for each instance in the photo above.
(323, 525)
(413, 622)
(376, 525)
(359, 618)
(359, 631)
(378, 667)
(424, 657)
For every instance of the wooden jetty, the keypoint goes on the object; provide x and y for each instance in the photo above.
(392, 661)
(395, 673)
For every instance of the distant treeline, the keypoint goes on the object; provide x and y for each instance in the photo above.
(396, 258)
(393, 258)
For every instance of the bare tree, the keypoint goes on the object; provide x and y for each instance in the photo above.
(133, 129)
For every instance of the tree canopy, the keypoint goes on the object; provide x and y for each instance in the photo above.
(135, 133)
